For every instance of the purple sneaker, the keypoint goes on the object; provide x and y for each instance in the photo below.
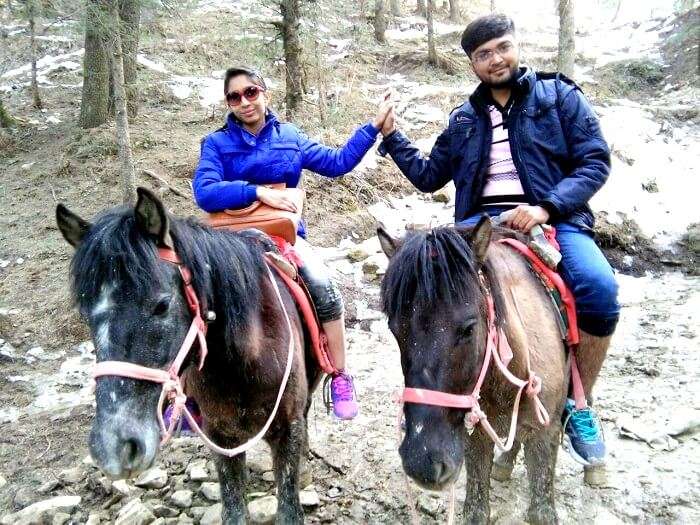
(342, 396)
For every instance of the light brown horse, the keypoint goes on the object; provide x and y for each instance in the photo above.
(434, 294)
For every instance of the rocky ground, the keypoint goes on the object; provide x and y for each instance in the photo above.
(648, 394)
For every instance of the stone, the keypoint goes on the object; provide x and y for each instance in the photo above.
(3, 482)
(60, 518)
(429, 504)
(87, 461)
(263, 511)
(42, 511)
(309, 497)
(71, 476)
(197, 470)
(184, 519)
(375, 265)
(181, 498)
(23, 497)
(212, 516)
(162, 511)
(47, 487)
(94, 519)
(692, 238)
(211, 491)
(159, 521)
(155, 478)
(357, 254)
(268, 476)
(121, 486)
(134, 513)
(260, 463)
(197, 512)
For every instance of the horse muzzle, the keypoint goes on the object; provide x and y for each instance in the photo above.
(124, 442)
(432, 468)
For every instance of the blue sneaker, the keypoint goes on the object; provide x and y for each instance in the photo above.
(583, 437)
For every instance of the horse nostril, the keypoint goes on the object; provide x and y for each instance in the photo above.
(131, 453)
(442, 471)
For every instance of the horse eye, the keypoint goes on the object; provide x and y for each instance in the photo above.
(465, 331)
(162, 306)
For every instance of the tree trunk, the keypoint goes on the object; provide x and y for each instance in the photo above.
(432, 52)
(566, 38)
(292, 54)
(94, 107)
(130, 14)
(6, 121)
(455, 14)
(493, 5)
(421, 8)
(395, 7)
(31, 12)
(128, 175)
(380, 20)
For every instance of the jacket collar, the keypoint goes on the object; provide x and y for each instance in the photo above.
(233, 125)
(521, 86)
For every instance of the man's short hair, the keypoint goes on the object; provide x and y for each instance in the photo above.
(253, 74)
(484, 29)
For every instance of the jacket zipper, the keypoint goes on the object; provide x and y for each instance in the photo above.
(513, 129)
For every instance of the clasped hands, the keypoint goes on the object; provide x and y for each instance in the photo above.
(385, 120)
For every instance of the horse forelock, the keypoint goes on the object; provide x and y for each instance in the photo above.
(116, 255)
(430, 267)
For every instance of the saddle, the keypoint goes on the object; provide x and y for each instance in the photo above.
(284, 260)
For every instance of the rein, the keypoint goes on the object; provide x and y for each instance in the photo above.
(170, 379)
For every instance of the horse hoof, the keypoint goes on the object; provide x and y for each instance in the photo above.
(595, 476)
(501, 472)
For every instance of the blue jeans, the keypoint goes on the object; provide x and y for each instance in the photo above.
(587, 273)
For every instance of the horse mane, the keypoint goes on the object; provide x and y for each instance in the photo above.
(429, 266)
(117, 252)
(437, 265)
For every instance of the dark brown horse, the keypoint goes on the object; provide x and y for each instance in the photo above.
(134, 304)
(434, 296)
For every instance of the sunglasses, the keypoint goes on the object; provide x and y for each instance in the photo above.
(251, 93)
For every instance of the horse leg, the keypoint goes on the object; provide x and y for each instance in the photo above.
(305, 471)
(540, 460)
(504, 462)
(286, 453)
(232, 477)
(478, 452)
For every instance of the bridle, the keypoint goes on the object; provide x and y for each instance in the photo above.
(172, 388)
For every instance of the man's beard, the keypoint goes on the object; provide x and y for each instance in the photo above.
(508, 82)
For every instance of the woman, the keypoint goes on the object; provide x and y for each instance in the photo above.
(254, 149)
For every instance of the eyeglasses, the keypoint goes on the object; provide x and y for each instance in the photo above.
(487, 54)
(251, 94)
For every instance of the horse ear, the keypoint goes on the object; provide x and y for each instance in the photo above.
(388, 243)
(480, 238)
(72, 227)
(152, 217)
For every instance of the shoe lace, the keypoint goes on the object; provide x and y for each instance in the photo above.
(342, 386)
(585, 424)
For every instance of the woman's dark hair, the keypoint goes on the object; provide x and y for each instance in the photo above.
(253, 74)
(484, 29)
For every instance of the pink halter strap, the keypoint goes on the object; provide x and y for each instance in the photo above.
(170, 379)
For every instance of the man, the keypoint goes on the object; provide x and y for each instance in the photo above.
(529, 143)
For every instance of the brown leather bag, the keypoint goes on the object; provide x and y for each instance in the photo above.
(259, 215)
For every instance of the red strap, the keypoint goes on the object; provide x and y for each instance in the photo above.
(555, 279)
(318, 342)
